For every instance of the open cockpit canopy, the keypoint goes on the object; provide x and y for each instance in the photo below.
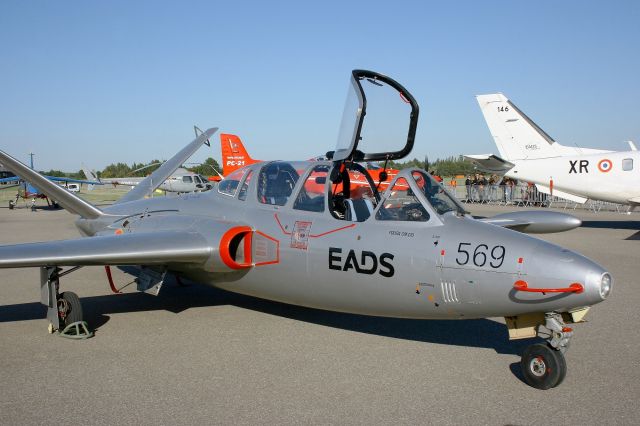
(391, 112)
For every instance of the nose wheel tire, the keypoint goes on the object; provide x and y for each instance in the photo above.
(543, 367)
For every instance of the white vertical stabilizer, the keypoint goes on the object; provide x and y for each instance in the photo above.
(516, 136)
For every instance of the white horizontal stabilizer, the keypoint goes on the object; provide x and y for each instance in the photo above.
(490, 163)
(635, 200)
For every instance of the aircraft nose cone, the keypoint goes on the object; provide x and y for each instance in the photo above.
(557, 267)
(599, 283)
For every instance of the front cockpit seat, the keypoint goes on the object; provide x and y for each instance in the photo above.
(279, 189)
(357, 210)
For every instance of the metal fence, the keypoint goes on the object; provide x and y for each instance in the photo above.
(525, 195)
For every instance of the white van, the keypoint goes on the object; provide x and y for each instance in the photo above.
(73, 187)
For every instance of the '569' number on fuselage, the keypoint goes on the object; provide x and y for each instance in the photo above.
(481, 255)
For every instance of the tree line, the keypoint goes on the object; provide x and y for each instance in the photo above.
(120, 170)
(447, 167)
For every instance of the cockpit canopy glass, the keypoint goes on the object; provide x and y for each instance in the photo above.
(242, 194)
(350, 122)
(276, 182)
(311, 196)
(229, 184)
(435, 193)
(402, 205)
(379, 119)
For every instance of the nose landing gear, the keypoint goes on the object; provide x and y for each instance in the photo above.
(543, 365)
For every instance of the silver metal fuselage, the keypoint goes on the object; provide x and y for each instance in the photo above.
(448, 267)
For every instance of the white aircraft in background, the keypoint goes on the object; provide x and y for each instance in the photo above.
(182, 180)
(577, 174)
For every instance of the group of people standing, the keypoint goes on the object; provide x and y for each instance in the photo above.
(481, 189)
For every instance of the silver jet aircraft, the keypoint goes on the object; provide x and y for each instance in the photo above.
(300, 233)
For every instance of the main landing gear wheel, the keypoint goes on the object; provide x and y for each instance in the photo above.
(69, 308)
(543, 367)
(70, 315)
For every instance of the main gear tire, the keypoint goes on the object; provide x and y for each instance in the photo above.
(543, 367)
(69, 309)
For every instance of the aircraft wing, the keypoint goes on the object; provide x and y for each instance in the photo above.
(52, 190)
(125, 181)
(10, 179)
(62, 179)
(490, 163)
(535, 222)
(55, 179)
(148, 248)
(155, 179)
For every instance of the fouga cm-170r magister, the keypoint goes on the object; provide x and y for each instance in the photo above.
(299, 233)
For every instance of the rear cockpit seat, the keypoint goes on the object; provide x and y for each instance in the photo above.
(358, 210)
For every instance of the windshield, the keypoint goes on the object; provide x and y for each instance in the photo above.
(230, 183)
(435, 193)
(402, 205)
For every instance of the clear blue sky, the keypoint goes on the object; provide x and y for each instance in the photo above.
(102, 82)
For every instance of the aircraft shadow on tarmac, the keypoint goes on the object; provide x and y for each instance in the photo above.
(481, 333)
(631, 225)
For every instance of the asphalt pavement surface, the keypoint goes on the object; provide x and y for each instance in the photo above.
(199, 355)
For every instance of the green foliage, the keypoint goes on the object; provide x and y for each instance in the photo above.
(55, 173)
(77, 175)
(451, 166)
(447, 167)
(120, 170)
(210, 167)
(116, 170)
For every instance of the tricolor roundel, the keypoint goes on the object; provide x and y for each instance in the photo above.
(605, 165)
